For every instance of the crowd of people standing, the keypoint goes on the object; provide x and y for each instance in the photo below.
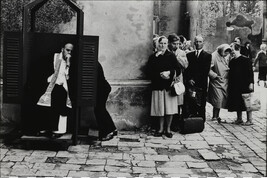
(221, 77)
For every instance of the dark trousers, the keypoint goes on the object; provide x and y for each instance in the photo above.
(58, 106)
(190, 106)
(103, 118)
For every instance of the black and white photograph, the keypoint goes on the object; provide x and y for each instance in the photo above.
(133, 88)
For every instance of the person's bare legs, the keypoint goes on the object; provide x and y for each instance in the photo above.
(161, 124)
(239, 118)
(249, 117)
(168, 123)
(215, 113)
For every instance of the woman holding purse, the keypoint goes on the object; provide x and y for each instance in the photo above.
(162, 65)
(241, 81)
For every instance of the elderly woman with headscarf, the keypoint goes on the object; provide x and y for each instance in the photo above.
(161, 68)
(217, 92)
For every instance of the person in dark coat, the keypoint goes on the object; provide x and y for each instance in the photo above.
(196, 75)
(262, 59)
(161, 68)
(246, 51)
(240, 81)
(106, 126)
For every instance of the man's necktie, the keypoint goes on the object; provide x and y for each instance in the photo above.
(197, 53)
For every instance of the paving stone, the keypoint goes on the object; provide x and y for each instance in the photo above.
(44, 166)
(119, 163)
(127, 156)
(195, 144)
(240, 160)
(86, 174)
(3, 151)
(175, 147)
(157, 158)
(52, 173)
(4, 171)
(216, 141)
(174, 170)
(144, 170)
(6, 164)
(71, 154)
(23, 172)
(193, 137)
(44, 153)
(208, 155)
(131, 144)
(183, 158)
(99, 155)
(197, 165)
(76, 161)
(177, 175)
(79, 148)
(160, 140)
(225, 173)
(99, 168)
(129, 137)
(249, 167)
(18, 152)
(23, 165)
(143, 150)
(172, 164)
(118, 174)
(118, 169)
(13, 158)
(70, 167)
(143, 163)
(96, 161)
(35, 159)
(154, 145)
(112, 143)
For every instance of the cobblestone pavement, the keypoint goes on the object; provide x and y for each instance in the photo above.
(221, 150)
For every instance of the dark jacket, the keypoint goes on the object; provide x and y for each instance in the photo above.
(156, 65)
(240, 76)
(198, 69)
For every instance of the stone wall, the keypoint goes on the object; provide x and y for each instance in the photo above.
(125, 32)
(211, 19)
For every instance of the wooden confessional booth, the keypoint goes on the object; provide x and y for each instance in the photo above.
(28, 61)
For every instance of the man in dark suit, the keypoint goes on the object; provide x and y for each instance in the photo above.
(196, 77)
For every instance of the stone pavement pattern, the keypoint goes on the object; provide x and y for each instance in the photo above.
(221, 150)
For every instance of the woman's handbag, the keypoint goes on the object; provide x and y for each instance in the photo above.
(177, 87)
(252, 101)
(192, 124)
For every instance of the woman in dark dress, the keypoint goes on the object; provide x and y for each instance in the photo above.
(240, 81)
(107, 128)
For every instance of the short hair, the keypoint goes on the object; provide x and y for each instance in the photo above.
(263, 46)
(173, 38)
(198, 36)
(236, 46)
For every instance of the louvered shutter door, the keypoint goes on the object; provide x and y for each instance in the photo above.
(87, 73)
(12, 67)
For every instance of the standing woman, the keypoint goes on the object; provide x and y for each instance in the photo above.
(262, 59)
(240, 81)
(174, 42)
(218, 85)
(161, 68)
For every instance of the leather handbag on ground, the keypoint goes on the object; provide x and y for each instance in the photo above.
(252, 101)
(192, 124)
(177, 87)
